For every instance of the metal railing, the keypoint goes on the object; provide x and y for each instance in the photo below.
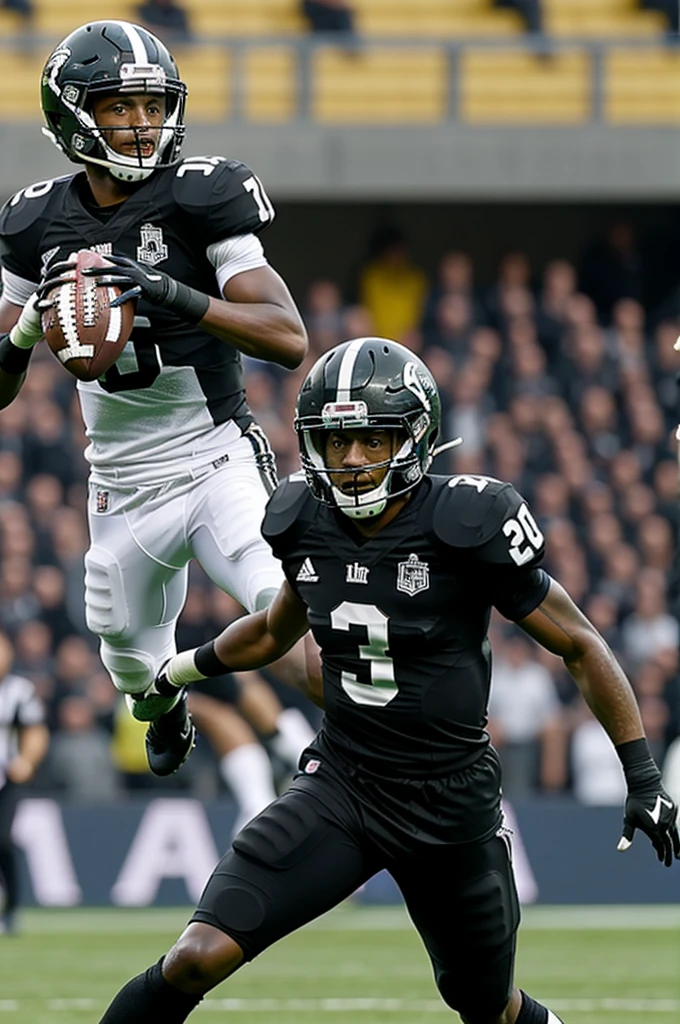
(305, 48)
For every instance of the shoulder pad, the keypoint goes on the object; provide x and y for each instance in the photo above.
(286, 505)
(25, 207)
(488, 515)
(224, 194)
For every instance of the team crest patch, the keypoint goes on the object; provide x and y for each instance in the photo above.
(102, 501)
(413, 576)
(153, 249)
(312, 766)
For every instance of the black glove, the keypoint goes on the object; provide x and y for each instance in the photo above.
(157, 288)
(59, 273)
(648, 806)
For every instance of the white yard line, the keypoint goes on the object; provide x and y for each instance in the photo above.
(277, 1006)
(348, 917)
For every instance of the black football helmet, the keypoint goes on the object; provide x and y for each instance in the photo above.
(108, 57)
(368, 382)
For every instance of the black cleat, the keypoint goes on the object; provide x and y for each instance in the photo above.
(170, 739)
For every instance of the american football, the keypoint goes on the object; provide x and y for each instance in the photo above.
(80, 327)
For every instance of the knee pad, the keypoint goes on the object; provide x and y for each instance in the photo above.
(265, 598)
(132, 671)
(106, 610)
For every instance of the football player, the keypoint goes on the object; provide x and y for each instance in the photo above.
(179, 468)
(396, 571)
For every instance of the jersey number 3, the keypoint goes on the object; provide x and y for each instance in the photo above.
(382, 687)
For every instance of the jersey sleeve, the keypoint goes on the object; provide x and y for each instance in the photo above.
(222, 198)
(494, 523)
(285, 514)
(24, 226)
(17, 231)
(516, 593)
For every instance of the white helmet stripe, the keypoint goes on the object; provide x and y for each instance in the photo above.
(347, 368)
(136, 42)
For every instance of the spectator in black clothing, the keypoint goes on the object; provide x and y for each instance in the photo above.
(329, 15)
(531, 12)
(612, 268)
(166, 19)
(21, 7)
(23, 744)
(670, 8)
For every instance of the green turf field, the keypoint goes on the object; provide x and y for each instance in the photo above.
(358, 964)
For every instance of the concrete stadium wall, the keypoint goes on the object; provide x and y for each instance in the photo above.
(452, 161)
(162, 850)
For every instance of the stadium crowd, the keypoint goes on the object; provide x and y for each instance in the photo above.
(556, 378)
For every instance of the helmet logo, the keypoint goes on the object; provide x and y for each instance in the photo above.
(413, 382)
(79, 142)
(153, 249)
(54, 65)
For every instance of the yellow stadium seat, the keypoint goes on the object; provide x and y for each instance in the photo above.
(270, 84)
(245, 17)
(642, 87)
(20, 86)
(206, 71)
(11, 24)
(56, 18)
(601, 19)
(516, 87)
(380, 86)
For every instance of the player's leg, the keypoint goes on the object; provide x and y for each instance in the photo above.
(292, 863)
(9, 864)
(231, 550)
(243, 762)
(284, 731)
(135, 587)
(464, 903)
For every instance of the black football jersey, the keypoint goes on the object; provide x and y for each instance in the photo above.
(173, 381)
(402, 617)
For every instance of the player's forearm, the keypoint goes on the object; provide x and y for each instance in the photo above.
(10, 386)
(606, 690)
(245, 644)
(33, 743)
(261, 330)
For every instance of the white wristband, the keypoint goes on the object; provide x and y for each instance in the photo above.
(27, 331)
(181, 669)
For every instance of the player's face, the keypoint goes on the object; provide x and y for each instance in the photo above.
(355, 452)
(131, 124)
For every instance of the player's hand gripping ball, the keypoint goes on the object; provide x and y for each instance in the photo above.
(81, 328)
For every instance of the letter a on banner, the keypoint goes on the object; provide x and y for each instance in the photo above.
(39, 830)
(173, 841)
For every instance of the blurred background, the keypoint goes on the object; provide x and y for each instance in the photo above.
(492, 183)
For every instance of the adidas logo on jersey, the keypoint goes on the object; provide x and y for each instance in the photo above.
(307, 573)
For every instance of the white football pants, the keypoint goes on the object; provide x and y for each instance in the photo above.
(142, 539)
